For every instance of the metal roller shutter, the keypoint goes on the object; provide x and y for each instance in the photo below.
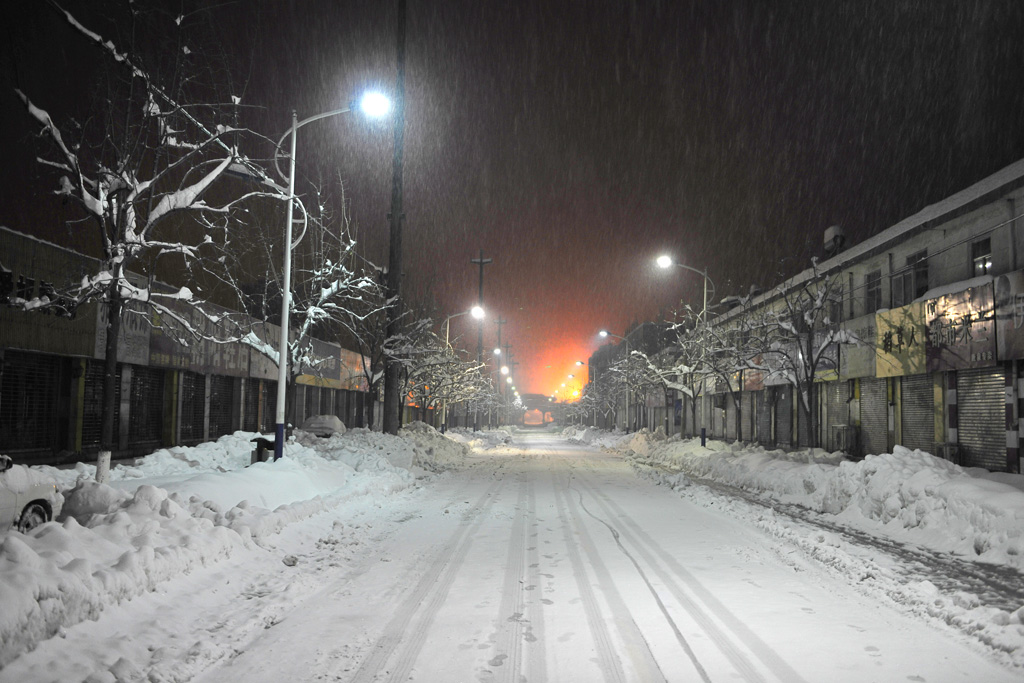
(803, 418)
(145, 419)
(326, 401)
(312, 402)
(837, 410)
(28, 401)
(874, 415)
(222, 399)
(981, 396)
(747, 417)
(730, 418)
(92, 406)
(341, 407)
(269, 406)
(764, 417)
(917, 405)
(251, 422)
(784, 417)
(193, 406)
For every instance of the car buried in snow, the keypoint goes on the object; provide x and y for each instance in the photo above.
(27, 498)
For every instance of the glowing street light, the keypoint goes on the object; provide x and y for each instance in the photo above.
(478, 313)
(373, 104)
(666, 261)
(606, 333)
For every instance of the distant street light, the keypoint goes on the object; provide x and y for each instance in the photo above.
(373, 104)
(478, 313)
(665, 261)
(606, 333)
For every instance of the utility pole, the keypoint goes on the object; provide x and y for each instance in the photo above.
(479, 329)
(392, 368)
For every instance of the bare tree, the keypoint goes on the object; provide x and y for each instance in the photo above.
(154, 174)
(683, 363)
(796, 334)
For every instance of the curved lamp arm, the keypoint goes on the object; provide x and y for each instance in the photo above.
(300, 124)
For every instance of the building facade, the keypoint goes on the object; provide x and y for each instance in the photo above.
(928, 350)
(168, 392)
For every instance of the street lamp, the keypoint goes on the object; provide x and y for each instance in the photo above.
(372, 104)
(665, 261)
(606, 333)
(478, 313)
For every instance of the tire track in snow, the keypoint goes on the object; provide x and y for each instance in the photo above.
(534, 606)
(507, 661)
(670, 571)
(425, 600)
(647, 668)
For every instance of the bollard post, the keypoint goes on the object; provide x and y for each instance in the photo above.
(103, 467)
(703, 437)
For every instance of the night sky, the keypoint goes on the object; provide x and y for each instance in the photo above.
(575, 141)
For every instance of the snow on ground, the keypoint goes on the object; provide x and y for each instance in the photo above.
(483, 440)
(186, 507)
(910, 497)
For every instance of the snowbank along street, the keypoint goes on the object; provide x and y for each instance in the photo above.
(546, 558)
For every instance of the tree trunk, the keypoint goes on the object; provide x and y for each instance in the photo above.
(109, 408)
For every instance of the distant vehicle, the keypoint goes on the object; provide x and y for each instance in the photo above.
(27, 498)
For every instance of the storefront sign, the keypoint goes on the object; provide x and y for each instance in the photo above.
(857, 353)
(961, 330)
(900, 341)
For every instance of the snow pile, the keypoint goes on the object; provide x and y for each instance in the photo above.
(910, 497)
(173, 511)
(484, 439)
(579, 434)
(433, 451)
(324, 425)
(907, 495)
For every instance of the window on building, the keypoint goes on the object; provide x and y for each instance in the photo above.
(912, 281)
(981, 256)
(873, 291)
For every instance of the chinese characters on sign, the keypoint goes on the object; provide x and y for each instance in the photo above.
(900, 341)
(961, 330)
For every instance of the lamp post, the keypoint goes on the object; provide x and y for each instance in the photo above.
(606, 333)
(666, 261)
(478, 313)
(372, 104)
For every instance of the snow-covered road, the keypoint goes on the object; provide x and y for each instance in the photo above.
(544, 562)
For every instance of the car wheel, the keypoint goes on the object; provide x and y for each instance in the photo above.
(32, 516)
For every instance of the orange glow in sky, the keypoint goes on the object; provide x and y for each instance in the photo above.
(557, 363)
